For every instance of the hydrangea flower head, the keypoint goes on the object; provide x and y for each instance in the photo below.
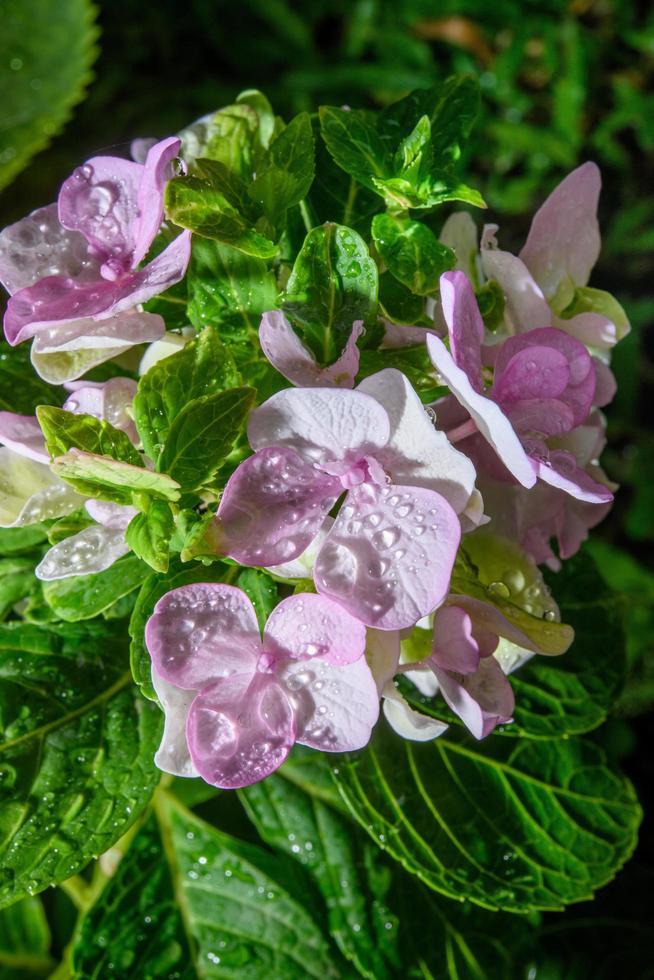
(236, 703)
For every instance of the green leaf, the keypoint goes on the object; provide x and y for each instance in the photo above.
(398, 304)
(21, 390)
(212, 203)
(411, 252)
(76, 750)
(202, 367)
(24, 941)
(149, 534)
(350, 877)
(47, 53)
(436, 187)
(286, 172)
(333, 283)
(355, 144)
(16, 540)
(506, 823)
(66, 430)
(86, 596)
(190, 900)
(16, 581)
(152, 589)
(335, 195)
(587, 299)
(109, 479)
(202, 435)
(261, 589)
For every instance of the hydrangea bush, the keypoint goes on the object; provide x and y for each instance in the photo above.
(322, 453)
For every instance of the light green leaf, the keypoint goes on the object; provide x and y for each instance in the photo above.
(153, 588)
(109, 479)
(411, 252)
(46, 53)
(66, 430)
(352, 139)
(86, 596)
(149, 534)
(202, 435)
(218, 908)
(202, 367)
(587, 299)
(286, 172)
(24, 941)
(436, 187)
(512, 824)
(261, 589)
(76, 750)
(16, 540)
(333, 283)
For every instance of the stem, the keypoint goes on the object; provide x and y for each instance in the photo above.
(306, 217)
(462, 431)
(78, 891)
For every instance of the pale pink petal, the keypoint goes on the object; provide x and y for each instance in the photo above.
(606, 385)
(423, 680)
(305, 626)
(239, 730)
(460, 234)
(383, 655)
(53, 300)
(546, 416)
(173, 755)
(489, 417)
(417, 454)
(290, 357)
(198, 633)
(321, 424)
(406, 721)
(525, 306)
(140, 147)
(591, 329)
(397, 336)
(586, 441)
(108, 400)
(154, 278)
(116, 516)
(155, 174)
(99, 200)
(464, 323)
(273, 506)
(23, 434)
(89, 551)
(389, 556)
(335, 707)
(564, 239)
(39, 246)
(534, 372)
(454, 646)
(302, 566)
(561, 471)
(482, 700)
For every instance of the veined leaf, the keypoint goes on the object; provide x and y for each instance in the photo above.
(66, 430)
(24, 941)
(108, 479)
(506, 823)
(76, 749)
(411, 252)
(354, 142)
(86, 596)
(286, 171)
(202, 367)
(21, 390)
(149, 534)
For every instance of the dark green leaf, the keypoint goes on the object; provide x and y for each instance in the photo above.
(261, 589)
(76, 753)
(16, 581)
(85, 596)
(21, 390)
(352, 139)
(411, 252)
(66, 430)
(24, 941)
(286, 172)
(507, 823)
(333, 283)
(202, 435)
(149, 534)
(16, 540)
(202, 367)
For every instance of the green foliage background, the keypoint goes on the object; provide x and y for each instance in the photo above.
(561, 82)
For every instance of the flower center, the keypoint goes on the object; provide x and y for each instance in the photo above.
(365, 470)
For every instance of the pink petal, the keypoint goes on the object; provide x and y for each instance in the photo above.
(389, 556)
(164, 271)
(173, 755)
(488, 618)
(38, 246)
(321, 424)
(290, 357)
(416, 453)
(534, 372)
(489, 417)
(482, 700)
(606, 385)
(154, 176)
(55, 299)
(116, 516)
(23, 434)
(591, 329)
(100, 200)
(273, 506)
(240, 730)
(108, 400)
(454, 646)
(199, 633)
(397, 336)
(305, 626)
(464, 323)
(335, 707)
(564, 240)
(526, 307)
(562, 472)
(547, 416)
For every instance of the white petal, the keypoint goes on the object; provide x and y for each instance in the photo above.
(526, 307)
(22, 434)
(89, 551)
(302, 566)
(407, 722)
(115, 516)
(169, 344)
(460, 234)
(383, 655)
(30, 492)
(417, 454)
(173, 755)
(510, 656)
